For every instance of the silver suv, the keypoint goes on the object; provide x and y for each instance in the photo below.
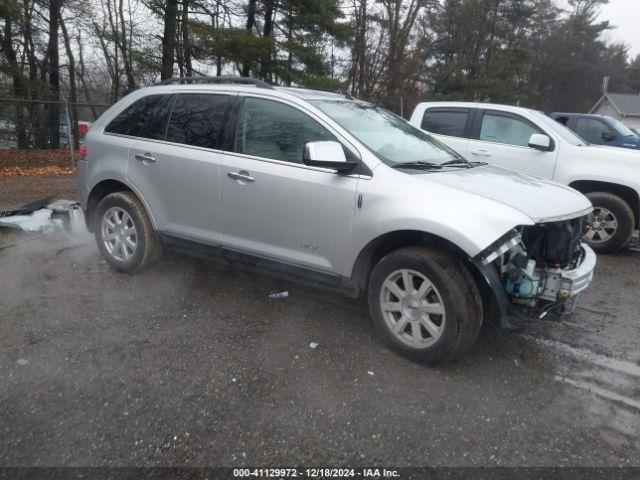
(338, 192)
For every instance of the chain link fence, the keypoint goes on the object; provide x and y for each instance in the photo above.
(46, 124)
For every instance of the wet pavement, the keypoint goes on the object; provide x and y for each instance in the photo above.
(190, 363)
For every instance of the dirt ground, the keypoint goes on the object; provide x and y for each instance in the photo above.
(190, 363)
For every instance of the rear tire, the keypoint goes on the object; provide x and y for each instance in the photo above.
(610, 226)
(124, 233)
(433, 319)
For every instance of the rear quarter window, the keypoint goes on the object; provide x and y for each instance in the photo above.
(139, 115)
(451, 122)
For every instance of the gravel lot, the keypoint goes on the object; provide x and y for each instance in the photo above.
(190, 363)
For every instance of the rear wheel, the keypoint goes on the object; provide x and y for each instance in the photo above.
(609, 227)
(425, 304)
(124, 233)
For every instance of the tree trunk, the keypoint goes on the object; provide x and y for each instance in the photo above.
(83, 80)
(73, 96)
(267, 29)
(125, 49)
(54, 73)
(169, 39)
(251, 21)
(186, 39)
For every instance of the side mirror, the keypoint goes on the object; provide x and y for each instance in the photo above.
(608, 136)
(540, 142)
(327, 155)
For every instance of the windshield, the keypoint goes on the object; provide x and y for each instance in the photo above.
(566, 134)
(389, 136)
(620, 128)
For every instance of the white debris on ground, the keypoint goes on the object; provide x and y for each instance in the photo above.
(313, 345)
(38, 221)
(279, 295)
(47, 218)
(61, 205)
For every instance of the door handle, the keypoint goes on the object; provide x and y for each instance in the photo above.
(145, 157)
(241, 176)
(481, 153)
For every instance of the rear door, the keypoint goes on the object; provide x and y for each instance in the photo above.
(450, 125)
(274, 205)
(176, 169)
(502, 138)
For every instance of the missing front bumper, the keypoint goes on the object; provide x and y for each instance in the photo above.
(563, 284)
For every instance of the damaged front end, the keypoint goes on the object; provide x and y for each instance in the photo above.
(538, 269)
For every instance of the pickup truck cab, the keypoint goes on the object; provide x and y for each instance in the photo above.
(335, 192)
(531, 142)
(599, 129)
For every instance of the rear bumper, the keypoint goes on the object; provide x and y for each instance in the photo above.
(81, 180)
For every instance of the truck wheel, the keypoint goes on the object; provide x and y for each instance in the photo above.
(609, 227)
(124, 233)
(425, 304)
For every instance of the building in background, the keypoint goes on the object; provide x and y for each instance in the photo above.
(621, 106)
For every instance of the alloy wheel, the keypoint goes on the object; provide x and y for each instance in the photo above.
(600, 225)
(119, 233)
(412, 308)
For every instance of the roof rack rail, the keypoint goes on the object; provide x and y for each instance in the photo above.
(223, 79)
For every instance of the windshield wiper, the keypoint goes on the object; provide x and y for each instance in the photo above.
(462, 162)
(418, 165)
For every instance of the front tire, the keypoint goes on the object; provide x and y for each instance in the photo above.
(610, 226)
(425, 304)
(124, 233)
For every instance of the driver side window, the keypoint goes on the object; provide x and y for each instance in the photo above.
(274, 130)
(590, 129)
(506, 129)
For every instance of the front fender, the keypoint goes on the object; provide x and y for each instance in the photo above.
(469, 222)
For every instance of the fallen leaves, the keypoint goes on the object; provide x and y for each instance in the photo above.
(35, 171)
(32, 162)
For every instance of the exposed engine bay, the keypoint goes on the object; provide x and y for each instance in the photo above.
(545, 267)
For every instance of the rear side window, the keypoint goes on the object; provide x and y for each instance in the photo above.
(158, 114)
(445, 122)
(136, 116)
(198, 119)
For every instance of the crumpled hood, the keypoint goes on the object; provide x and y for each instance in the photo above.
(537, 198)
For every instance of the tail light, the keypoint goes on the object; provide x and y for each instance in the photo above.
(83, 128)
(83, 152)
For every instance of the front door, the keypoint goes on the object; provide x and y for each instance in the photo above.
(274, 205)
(503, 139)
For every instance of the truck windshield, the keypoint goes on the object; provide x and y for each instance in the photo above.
(389, 136)
(620, 128)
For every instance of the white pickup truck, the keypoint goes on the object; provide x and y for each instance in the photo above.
(529, 141)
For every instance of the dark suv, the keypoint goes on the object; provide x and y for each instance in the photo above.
(599, 129)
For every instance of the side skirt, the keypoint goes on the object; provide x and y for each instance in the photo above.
(262, 265)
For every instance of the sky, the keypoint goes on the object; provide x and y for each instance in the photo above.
(625, 15)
